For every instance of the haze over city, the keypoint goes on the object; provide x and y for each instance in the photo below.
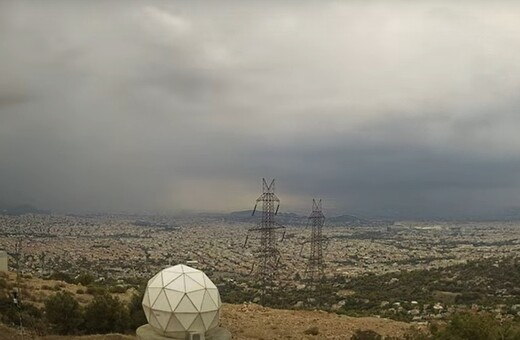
(171, 106)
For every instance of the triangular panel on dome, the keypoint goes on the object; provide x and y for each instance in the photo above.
(153, 321)
(185, 306)
(187, 269)
(147, 312)
(156, 281)
(215, 321)
(163, 318)
(207, 303)
(215, 296)
(153, 293)
(186, 319)
(197, 277)
(208, 318)
(191, 284)
(174, 297)
(196, 297)
(197, 325)
(177, 284)
(161, 303)
(168, 277)
(174, 325)
(174, 269)
(146, 299)
(207, 282)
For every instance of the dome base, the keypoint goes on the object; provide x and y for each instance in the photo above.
(146, 332)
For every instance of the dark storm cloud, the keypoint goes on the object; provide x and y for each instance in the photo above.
(164, 106)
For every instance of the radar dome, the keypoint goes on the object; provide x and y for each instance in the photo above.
(180, 300)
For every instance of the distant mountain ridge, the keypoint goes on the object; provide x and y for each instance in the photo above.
(16, 210)
(290, 218)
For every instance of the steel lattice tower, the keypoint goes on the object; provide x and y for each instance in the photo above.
(314, 271)
(268, 255)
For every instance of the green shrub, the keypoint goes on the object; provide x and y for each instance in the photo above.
(117, 289)
(365, 335)
(85, 279)
(136, 313)
(63, 313)
(106, 314)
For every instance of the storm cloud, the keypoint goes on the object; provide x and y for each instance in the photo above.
(408, 107)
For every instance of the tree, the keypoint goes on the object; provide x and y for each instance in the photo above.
(85, 279)
(106, 314)
(136, 313)
(470, 326)
(63, 313)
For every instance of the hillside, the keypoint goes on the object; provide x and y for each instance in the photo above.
(245, 321)
(254, 322)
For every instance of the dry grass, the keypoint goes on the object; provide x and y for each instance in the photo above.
(254, 322)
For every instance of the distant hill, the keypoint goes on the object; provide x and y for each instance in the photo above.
(512, 213)
(347, 219)
(22, 209)
(282, 218)
(289, 218)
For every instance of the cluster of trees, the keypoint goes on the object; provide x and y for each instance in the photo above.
(62, 314)
(486, 283)
(282, 296)
(464, 326)
(471, 326)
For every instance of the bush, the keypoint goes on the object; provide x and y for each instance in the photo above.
(117, 289)
(85, 279)
(63, 313)
(60, 276)
(136, 313)
(58, 286)
(106, 314)
(96, 290)
(312, 331)
(366, 335)
(470, 326)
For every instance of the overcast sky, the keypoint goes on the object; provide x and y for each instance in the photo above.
(409, 107)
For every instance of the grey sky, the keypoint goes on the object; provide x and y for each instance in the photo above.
(164, 106)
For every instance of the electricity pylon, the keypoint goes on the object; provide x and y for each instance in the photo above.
(267, 255)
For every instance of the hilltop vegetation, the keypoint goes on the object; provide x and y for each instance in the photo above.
(492, 284)
(58, 307)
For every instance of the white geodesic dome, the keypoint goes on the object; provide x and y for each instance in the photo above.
(181, 299)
